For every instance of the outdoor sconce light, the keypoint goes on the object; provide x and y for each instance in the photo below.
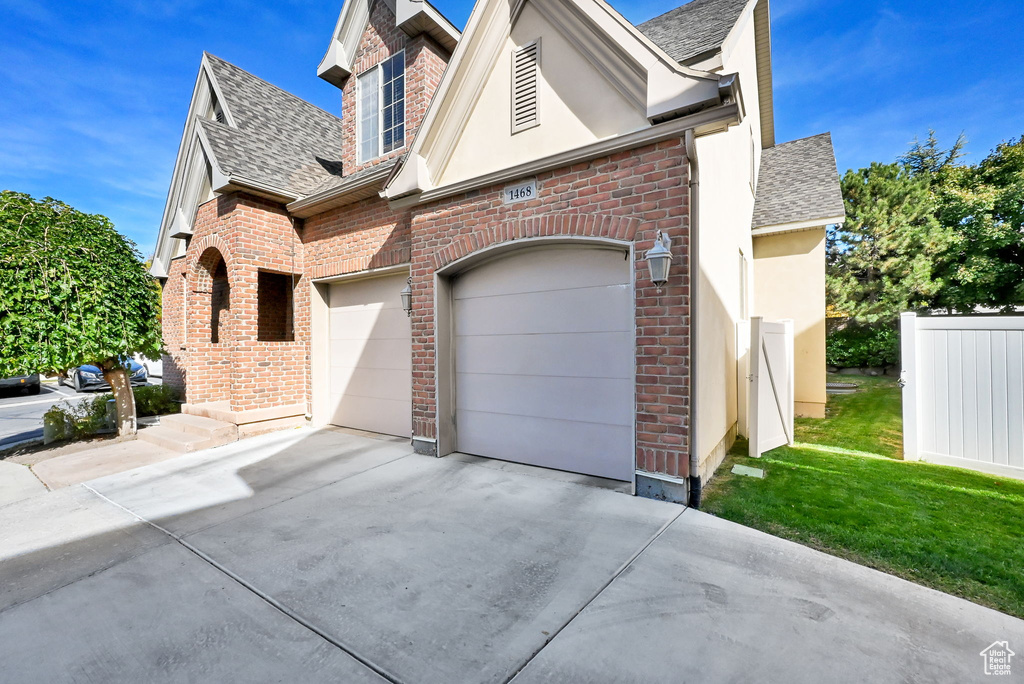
(407, 297)
(659, 258)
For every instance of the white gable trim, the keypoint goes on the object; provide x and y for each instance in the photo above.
(411, 16)
(198, 107)
(705, 122)
(647, 77)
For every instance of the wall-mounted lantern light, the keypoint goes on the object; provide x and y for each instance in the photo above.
(659, 258)
(407, 297)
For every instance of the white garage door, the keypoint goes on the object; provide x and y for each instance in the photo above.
(544, 360)
(371, 356)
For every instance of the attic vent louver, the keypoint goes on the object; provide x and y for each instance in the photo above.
(525, 61)
(219, 116)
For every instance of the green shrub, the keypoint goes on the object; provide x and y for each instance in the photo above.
(863, 346)
(75, 421)
(89, 417)
(156, 400)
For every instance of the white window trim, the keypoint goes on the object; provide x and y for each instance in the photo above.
(380, 110)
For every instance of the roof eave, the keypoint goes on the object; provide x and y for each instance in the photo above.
(237, 183)
(797, 226)
(763, 50)
(345, 193)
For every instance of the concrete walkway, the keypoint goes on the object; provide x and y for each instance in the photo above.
(330, 556)
(89, 464)
(17, 482)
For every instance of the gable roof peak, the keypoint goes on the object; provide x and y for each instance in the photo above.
(413, 17)
(695, 29)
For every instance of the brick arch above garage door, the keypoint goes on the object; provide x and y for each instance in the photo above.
(621, 228)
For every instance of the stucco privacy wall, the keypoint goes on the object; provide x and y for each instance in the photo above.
(627, 197)
(727, 163)
(789, 269)
(425, 62)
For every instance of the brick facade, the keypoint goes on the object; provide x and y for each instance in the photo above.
(246, 234)
(628, 196)
(425, 62)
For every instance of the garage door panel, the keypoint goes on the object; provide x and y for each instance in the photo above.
(387, 354)
(371, 382)
(594, 400)
(367, 323)
(591, 309)
(598, 354)
(376, 293)
(370, 346)
(386, 416)
(545, 360)
(592, 449)
(547, 271)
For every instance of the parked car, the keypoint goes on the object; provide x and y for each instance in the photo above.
(23, 382)
(89, 377)
(154, 368)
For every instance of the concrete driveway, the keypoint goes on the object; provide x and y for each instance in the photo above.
(330, 556)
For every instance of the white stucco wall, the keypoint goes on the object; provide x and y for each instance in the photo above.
(577, 106)
(790, 271)
(726, 207)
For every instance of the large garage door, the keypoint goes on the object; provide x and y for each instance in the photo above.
(371, 356)
(544, 360)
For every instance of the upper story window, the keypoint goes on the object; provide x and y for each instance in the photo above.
(381, 113)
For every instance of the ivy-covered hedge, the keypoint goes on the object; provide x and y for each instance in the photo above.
(863, 346)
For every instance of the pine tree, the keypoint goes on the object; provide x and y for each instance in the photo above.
(882, 261)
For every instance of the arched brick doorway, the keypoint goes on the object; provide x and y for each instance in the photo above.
(210, 313)
(208, 328)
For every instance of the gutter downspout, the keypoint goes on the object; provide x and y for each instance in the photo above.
(693, 252)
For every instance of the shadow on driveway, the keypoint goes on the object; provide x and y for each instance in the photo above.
(332, 556)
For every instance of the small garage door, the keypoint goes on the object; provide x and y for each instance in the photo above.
(544, 363)
(371, 356)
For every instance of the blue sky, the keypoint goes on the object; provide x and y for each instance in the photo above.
(93, 95)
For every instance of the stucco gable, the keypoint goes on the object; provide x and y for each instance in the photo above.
(600, 78)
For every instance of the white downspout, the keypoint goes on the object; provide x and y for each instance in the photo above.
(693, 254)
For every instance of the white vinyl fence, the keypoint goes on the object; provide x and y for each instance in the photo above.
(771, 385)
(963, 391)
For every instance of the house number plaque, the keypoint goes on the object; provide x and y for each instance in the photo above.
(520, 192)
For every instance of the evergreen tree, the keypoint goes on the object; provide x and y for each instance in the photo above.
(929, 158)
(983, 206)
(882, 261)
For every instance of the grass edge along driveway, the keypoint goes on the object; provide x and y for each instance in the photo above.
(839, 489)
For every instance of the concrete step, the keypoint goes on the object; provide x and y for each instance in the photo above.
(202, 426)
(182, 442)
(217, 410)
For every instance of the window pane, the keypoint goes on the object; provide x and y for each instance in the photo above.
(369, 114)
(393, 87)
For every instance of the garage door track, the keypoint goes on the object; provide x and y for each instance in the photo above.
(333, 556)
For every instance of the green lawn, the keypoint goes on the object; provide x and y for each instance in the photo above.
(955, 530)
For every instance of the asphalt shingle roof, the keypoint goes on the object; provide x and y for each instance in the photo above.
(279, 140)
(798, 181)
(695, 28)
